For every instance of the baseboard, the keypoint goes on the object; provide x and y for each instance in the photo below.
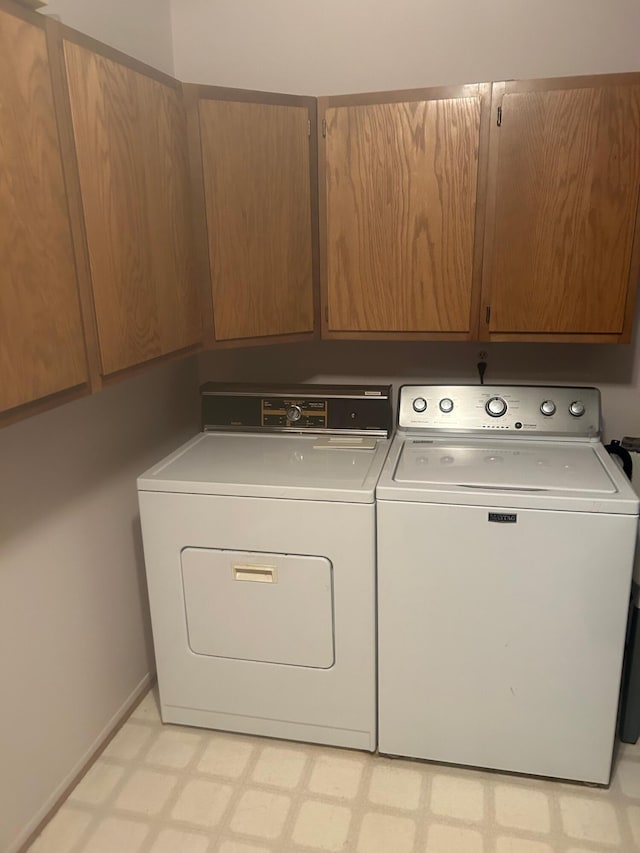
(60, 794)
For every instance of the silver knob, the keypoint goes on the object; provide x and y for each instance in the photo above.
(548, 408)
(419, 404)
(577, 409)
(294, 413)
(496, 407)
(446, 405)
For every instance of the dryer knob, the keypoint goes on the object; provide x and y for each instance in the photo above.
(446, 405)
(496, 407)
(577, 409)
(548, 408)
(419, 405)
(294, 413)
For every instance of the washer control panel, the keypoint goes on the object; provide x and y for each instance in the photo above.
(519, 409)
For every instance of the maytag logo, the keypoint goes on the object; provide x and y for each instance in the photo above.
(503, 517)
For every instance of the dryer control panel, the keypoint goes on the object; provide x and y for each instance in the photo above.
(517, 409)
(331, 409)
(294, 411)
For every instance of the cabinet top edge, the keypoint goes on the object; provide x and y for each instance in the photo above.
(206, 92)
(581, 81)
(24, 13)
(67, 34)
(392, 96)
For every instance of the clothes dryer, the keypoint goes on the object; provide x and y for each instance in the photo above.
(259, 542)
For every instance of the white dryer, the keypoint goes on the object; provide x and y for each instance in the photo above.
(259, 541)
(506, 537)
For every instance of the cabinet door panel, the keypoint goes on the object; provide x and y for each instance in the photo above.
(170, 217)
(257, 195)
(41, 339)
(401, 184)
(567, 184)
(130, 137)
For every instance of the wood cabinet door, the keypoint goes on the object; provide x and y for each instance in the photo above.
(129, 128)
(42, 348)
(256, 175)
(561, 241)
(401, 177)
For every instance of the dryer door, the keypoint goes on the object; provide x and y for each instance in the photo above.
(271, 608)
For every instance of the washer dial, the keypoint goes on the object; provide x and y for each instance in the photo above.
(577, 409)
(446, 405)
(419, 405)
(496, 407)
(548, 408)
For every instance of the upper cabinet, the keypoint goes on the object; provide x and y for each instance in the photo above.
(140, 216)
(130, 137)
(402, 212)
(562, 255)
(42, 349)
(253, 171)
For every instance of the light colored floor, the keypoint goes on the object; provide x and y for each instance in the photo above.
(169, 789)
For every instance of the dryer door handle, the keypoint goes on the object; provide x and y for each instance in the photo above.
(255, 573)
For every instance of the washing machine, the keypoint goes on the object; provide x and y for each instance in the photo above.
(259, 544)
(506, 537)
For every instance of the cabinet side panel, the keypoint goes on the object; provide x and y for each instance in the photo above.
(401, 183)
(568, 176)
(41, 339)
(257, 188)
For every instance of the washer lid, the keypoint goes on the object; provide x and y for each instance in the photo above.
(494, 465)
(305, 467)
(575, 476)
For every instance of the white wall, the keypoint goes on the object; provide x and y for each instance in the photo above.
(141, 28)
(74, 635)
(335, 46)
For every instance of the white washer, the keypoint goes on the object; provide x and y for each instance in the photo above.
(260, 558)
(506, 537)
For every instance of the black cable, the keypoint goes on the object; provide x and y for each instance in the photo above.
(482, 366)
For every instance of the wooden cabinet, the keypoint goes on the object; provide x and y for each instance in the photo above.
(129, 222)
(401, 212)
(129, 130)
(253, 164)
(42, 350)
(562, 249)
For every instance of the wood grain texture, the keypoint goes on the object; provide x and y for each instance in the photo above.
(257, 190)
(41, 339)
(130, 135)
(567, 177)
(199, 210)
(74, 198)
(401, 183)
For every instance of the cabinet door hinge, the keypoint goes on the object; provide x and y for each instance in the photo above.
(308, 127)
(499, 119)
(487, 315)
(324, 128)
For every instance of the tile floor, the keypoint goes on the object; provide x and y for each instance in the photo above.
(170, 789)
